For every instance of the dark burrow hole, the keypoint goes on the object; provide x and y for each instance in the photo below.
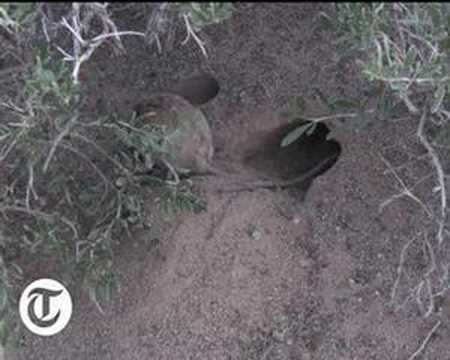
(197, 89)
(284, 163)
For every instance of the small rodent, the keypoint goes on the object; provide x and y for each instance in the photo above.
(191, 145)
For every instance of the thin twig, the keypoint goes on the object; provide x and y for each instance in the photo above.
(57, 140)
(406, 164)
(426, 280)
(21, 209)
(172, 171)
(103, 152)
(400, 268)
(106, 181)
(440, 174)
(30, 186)
(406, 192)
(83, 49)
(116, 34)
(425, 341)
(11, 146)
(191, 32)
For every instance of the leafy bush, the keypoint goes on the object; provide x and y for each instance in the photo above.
(70, 185)
(15, 15)
(403, 51)
(203, 14)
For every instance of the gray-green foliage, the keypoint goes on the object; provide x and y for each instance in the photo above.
(48, 78)
(402, 49)
(15, 15)
(406, 47)
(69, 194)
(356, 24)
(207, 13)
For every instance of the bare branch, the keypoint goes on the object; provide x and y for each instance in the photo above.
(57, 140)
(425, 341)
(191, 32)
(440, 174)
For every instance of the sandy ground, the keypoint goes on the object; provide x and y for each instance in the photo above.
(262, 274)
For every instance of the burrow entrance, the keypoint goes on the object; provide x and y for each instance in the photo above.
(276, 162)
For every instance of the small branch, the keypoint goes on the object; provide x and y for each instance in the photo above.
(432, 268)
(425, 341)
(172, 171)
(58, 139)
(30, 186)
(406, 164)
(409, 80)
(11, 146)
(96, 169)
(430, 298)
(103, 152)
(71, 225)
(440, 173)
(406, 192)
(83, 49)
(400, 269)
(116, 34)
(191, 32)
(335, 116)
(77, 36)
(36, 213)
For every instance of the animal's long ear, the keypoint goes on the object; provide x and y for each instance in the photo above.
(197, 89)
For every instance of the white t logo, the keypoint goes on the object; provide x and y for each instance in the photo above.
(45, 307)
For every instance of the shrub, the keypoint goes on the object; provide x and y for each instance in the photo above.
(70, 185)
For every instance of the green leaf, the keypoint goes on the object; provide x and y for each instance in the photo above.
(48, 76)
(148, 180)
(311, 129)
(345, 104)
(196, 6)
(295, 134)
